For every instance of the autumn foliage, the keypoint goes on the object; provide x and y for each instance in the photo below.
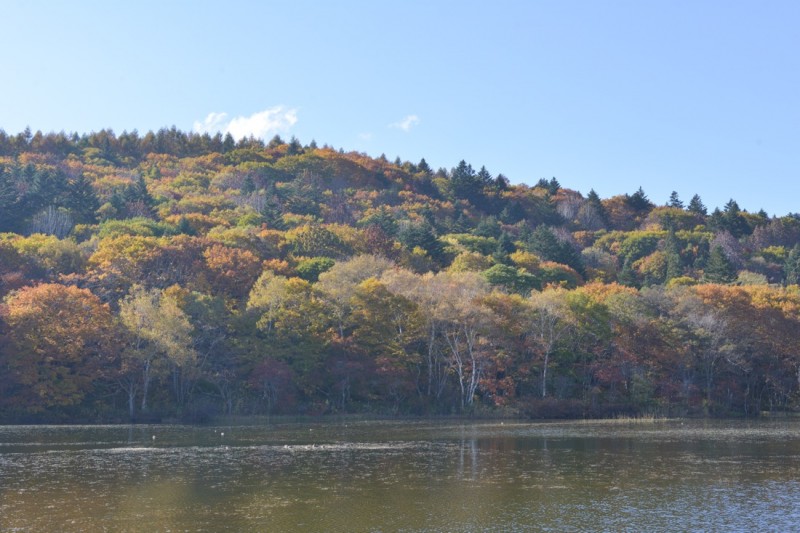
(176, 275)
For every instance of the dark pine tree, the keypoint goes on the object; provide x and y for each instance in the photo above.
(672, 251)
(484, 177)
(501, 183)
(546, 245)
(248, 185)
(675, 201)
(488, 227)
(638, 201)
(11, 208)
(719, 269)
(420, 234)
(295, 148)
(551, 186)
(593, 200)
(82, 200)
(183, 227)
(465, 183)
(791, 267)
(734, 221)
(382, 218)
(271, 212)
(696, 206)
(137, 199)
(228, 144)
(44, 188)
(505, 247)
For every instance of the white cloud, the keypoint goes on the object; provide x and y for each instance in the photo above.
(367, 136)
(406, 124)
(263, 125)
(213, 123)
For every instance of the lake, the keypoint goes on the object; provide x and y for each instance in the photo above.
(403, 476)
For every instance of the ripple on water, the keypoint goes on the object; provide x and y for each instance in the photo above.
(419, 477)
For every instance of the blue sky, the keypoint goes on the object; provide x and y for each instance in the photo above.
(694, 96)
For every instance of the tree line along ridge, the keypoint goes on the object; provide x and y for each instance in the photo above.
(184, 275)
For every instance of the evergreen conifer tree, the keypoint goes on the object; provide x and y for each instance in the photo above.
(675, 201)
(505, 246)
(484, 177)
(271, 211)
(82, 200)
(791, 267)
(488, 227)
(183, 227)
(546, 245)
(501, 183)
(719, 268)
(734, 221)
(295, 148)
(275, 142)
(465, 183)
(551, 186)
(421, 234)
(639, 201)
(627, 276)
(10, 208)
(248, 185)
(672, 251)
(593, 200)
(696, 206)
(228, 143)
(423, 167)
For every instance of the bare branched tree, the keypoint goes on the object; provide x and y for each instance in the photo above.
(52, 221)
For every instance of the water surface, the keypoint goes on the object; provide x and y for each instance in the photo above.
(403, 476)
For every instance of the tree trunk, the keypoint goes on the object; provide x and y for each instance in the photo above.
(131, 402)
(544, 373)
(145, 384)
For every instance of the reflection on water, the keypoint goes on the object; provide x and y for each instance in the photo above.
(389, 476)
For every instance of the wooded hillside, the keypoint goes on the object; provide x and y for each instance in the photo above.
(186, 275)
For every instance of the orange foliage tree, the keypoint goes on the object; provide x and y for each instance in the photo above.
(62, 340)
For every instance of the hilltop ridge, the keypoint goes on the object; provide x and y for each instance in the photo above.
(187, 273)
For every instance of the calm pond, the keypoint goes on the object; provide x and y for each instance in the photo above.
(403, 476)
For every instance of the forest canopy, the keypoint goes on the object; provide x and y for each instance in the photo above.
(184, 275)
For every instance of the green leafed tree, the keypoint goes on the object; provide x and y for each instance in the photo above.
(515, 280)
(159, 335)
(548, 323)
(310, 269)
